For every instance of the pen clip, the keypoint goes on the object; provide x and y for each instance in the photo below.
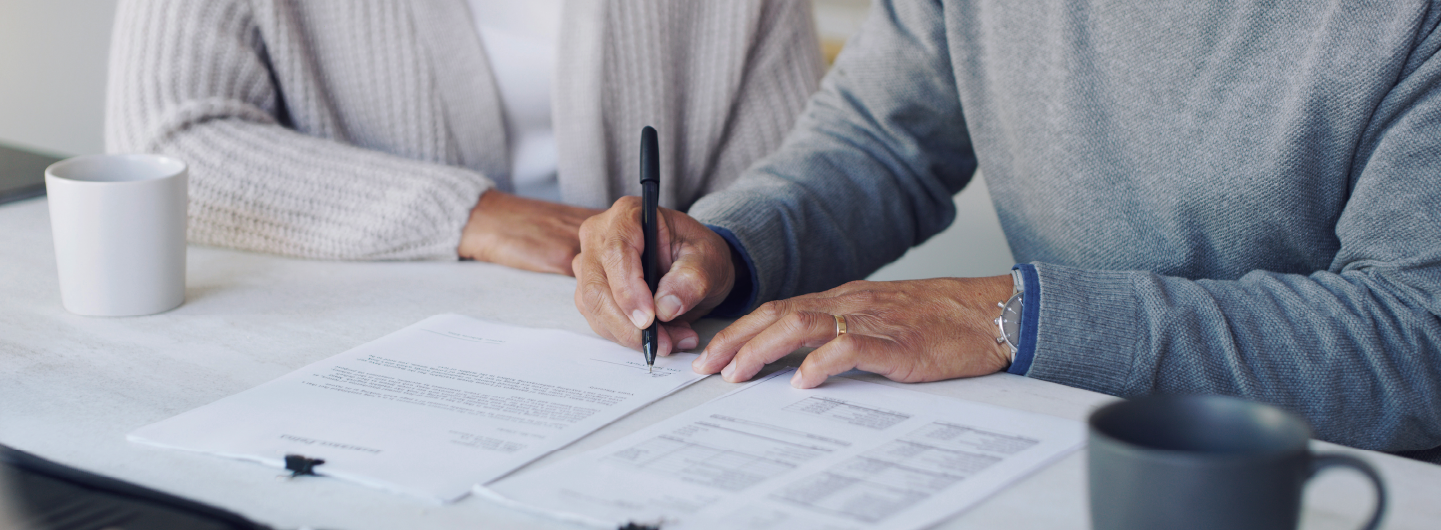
(649, 156)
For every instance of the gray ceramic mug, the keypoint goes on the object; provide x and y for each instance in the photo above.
(1204, 462)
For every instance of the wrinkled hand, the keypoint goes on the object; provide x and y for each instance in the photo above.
(696, 266)
(909, 331)
(523, 233)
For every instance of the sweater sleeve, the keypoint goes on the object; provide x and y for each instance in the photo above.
(1355, 348)
(883, 136)
(782, 68)
(193, 80)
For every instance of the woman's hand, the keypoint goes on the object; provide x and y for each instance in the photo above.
(523, 233)
(909, 331)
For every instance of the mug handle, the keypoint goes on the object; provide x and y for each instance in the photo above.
(1321, 461)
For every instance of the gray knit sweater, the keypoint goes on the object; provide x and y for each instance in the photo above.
(1220, 197)
(350, 129)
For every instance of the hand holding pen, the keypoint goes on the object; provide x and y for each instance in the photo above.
(693, 265)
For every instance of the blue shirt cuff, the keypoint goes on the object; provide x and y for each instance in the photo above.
(745, 290)
(1030, 319)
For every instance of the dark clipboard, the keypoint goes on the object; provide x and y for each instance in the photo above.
(38, 494)
(22, 173)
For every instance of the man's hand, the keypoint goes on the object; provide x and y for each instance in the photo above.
(695, 263)
(910, 331)
(523, 233)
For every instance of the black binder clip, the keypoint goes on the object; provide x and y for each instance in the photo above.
(299, 465)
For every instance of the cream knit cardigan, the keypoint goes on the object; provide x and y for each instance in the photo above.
(367, 129)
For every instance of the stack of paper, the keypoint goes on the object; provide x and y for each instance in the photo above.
(434, 408)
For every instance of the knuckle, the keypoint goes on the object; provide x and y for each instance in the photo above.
(596, 226)
(594, 294)
(594, 306)
(614, 255)
(724, 338)
(628, 201)
(772, 308)
(719, 340)
(616, 245)
(795, 323)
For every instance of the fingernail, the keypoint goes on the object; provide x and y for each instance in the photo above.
(729, 369)
(796, 379)
(699, 362)
(638, 318)
(669, 306)
(688, 343)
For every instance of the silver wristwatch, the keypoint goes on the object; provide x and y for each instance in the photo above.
(1010, 320)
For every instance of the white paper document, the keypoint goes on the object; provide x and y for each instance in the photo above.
(432, 409)
(847, 455)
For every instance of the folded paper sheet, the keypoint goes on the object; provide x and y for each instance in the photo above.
(848, 455)
(431, 409)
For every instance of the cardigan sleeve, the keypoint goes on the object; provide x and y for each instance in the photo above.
(194, 80)
(782, 70)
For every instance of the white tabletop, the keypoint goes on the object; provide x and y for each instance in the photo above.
(71, 387)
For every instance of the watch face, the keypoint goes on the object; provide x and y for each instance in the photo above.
(1011, 321)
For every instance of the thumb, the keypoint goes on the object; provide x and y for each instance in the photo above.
(698, 280)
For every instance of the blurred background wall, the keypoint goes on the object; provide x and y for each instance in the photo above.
(52, 74)
(52, 100)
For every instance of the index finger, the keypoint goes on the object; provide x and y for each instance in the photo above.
(593, 300)
(615, 241)
(609, 282)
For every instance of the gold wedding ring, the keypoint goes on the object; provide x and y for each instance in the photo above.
(840, 324)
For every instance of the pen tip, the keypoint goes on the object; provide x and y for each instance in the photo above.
(650, 368)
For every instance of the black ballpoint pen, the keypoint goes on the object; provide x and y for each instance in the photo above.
(649, 195)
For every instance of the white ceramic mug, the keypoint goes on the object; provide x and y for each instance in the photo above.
(119, 227)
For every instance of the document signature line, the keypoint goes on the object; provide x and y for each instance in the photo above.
(628, 365)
